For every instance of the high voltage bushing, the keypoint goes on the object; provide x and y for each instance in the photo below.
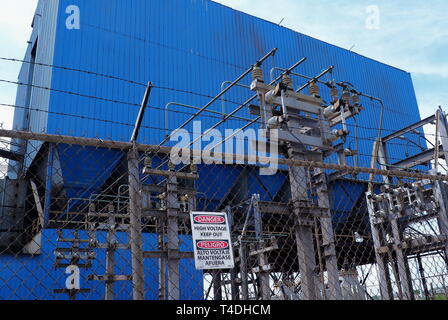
(314, 90)
(257, 74)
(287, 81)
(355, 99)
(334, 93)
(346, 95)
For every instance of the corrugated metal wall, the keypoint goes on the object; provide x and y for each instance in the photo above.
(194, 45)
(42, 278)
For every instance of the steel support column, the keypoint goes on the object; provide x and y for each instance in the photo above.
(135, 227)
(326, 225)
(304, 229)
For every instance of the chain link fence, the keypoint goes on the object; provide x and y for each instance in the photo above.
(90, 219)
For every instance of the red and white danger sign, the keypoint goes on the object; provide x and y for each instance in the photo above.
(212, 241)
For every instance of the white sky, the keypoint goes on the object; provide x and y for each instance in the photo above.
(15, 29)
(412, 35)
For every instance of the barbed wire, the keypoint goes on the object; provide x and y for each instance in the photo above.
(164, 129)
(79, 116)
(69, 92)
(109, 100)
(55, 138)
(74, 70)
(107, 76)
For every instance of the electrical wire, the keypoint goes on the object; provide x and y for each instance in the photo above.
(152, 42)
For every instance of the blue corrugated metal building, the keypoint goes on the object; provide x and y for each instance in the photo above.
(187, 48)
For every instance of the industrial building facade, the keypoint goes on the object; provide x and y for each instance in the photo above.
(190, 50)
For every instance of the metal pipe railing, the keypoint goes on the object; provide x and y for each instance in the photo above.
(141, 113)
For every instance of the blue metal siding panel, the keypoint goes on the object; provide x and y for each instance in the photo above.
(192, 45)
(42, 278)
(185, 44)
(195, 45)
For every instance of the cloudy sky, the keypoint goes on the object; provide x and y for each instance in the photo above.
(411, 35)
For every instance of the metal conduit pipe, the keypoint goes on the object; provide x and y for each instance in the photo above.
(248, 101)
(340, 84)
(297, 74)
(192, 107)
(248, 71)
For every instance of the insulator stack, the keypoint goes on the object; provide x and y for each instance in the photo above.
(287, 81)
(355, 99)
(334, 92)
(257, 74)
(346, 96)
(148, 162)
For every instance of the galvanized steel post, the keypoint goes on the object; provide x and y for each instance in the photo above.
(304, 228)
(135, 227)
(172, 204)
(326, 224)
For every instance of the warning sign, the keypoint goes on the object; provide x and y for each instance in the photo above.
(212, 242)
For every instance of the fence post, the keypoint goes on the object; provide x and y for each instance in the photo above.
(135, 228)
(328, 238)
(303, 230)
(110, 257)
(172, 204)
